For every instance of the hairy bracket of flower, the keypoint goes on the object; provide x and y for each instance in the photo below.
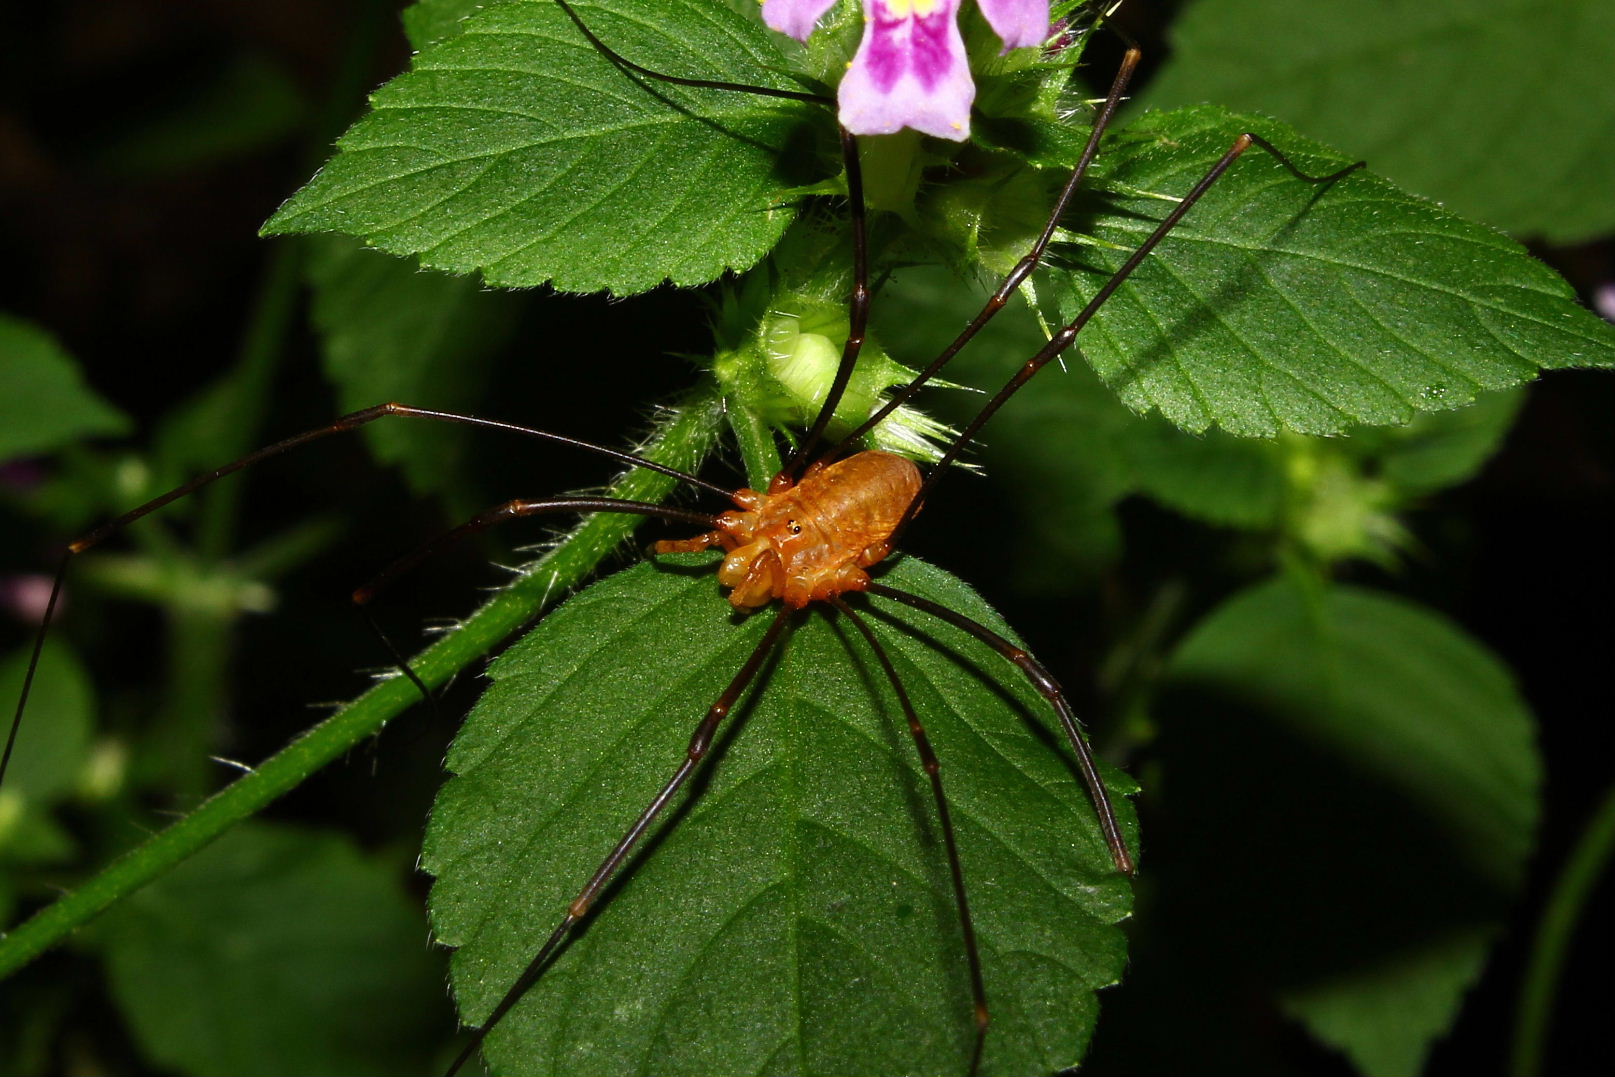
(911, 69)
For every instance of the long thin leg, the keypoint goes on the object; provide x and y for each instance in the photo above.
(1025, 267)
(701, 84)
(1068, 335)
(1050, 689)
(858, 312)
(509, 510)
(858, 304)
(933, 769)
(516, 510)
(340, 426)
(353, 421)
(700, 743)
(33, 663)
(401, 662)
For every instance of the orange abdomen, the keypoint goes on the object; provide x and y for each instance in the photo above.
(812, 541)
(854, 503)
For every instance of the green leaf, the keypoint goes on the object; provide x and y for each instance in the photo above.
(1242, 482)
(1246, 483)
(241, 109)
(1380, 773)
(1441, 449)
(797, 917)
(1386, 1016)
(276, 950)
(1223, 480)
(515, 150)
(44, 402)
(1281, 305)
(54, 742)
(390, 331)
(1503, 110)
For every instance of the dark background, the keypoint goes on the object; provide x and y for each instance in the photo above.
(147, 268)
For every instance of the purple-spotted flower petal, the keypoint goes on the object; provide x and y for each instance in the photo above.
(794, 17)
(1021, 23)
(910, 71)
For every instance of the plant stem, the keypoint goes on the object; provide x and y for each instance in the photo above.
(1587, 863)
(683, 440)
(759, 452)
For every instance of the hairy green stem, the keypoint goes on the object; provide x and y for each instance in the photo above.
(1587, 864)
(686, 436)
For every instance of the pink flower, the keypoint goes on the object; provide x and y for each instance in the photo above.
(911, 69)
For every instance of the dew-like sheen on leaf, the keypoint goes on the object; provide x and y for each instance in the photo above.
(1280, 305)
(513, 149)
(797, 918)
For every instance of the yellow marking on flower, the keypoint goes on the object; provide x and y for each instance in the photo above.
(902, 9)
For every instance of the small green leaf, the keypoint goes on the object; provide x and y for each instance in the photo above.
(44, 403)
(1279, 305)
(797, 917)
(1223, 480)
(1380, 774)
(1386, 1015)
(1441, 449)
(243, 108)
(391, 331)
(54, 741)
(515, 150)
(1244, 482)
(1502, 110)
(279, 951)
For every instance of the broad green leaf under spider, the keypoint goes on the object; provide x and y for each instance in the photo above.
(797, 917)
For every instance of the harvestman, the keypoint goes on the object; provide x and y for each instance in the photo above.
(808, 540)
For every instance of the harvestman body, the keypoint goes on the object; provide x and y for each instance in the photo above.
(808, 540)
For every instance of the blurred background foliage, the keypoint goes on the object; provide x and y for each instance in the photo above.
(1362, 680)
